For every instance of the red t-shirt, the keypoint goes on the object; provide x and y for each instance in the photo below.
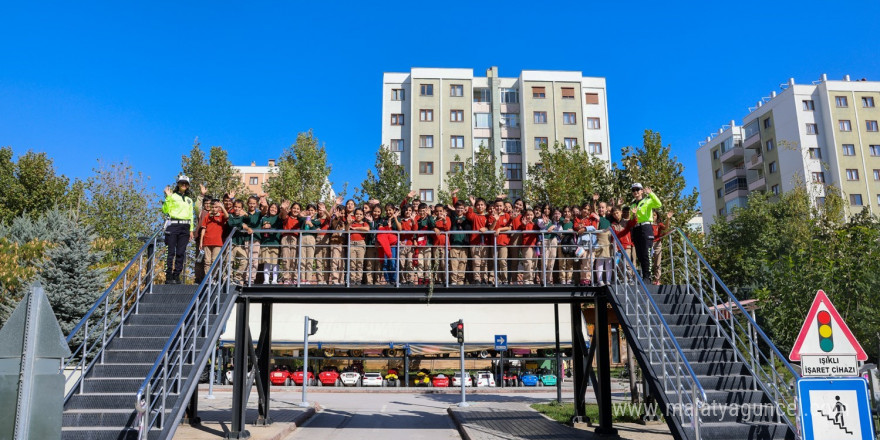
(478, 221)
(408, 225)
(622, 230)
(503, 239)
(289, 223)
(213, 225)
(443, 225)
(358, 235)
(529, 239)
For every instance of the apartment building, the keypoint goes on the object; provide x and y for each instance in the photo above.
(435, 119)
(824, 133)
(253, 176)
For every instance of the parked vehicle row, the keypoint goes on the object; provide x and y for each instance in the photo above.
(354, 376)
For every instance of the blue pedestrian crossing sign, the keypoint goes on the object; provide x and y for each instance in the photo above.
(500, 342)
(835, 409)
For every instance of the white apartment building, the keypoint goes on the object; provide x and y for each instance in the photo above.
(824, 133)
(430, 116)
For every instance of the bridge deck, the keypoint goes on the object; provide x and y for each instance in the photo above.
(415, 294)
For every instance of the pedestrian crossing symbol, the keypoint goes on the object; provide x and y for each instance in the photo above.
(835, 409)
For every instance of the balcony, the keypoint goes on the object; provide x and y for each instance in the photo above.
(756, 162)
(758, 184)
(753, 135)
(732, 173)
(732, 150)
(737, 187)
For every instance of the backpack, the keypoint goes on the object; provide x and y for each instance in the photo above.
(568, 245)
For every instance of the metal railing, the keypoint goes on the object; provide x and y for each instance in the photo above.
(671, 367)
(342, 257)
(105, 320)
(770, 369)
(166, 377)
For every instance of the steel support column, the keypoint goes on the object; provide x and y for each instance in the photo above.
(191, 415)
(264, 347)
(578, 364)
(560, 372)
(239, 373)
(603, 363)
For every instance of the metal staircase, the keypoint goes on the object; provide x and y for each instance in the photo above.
(715, 373)
(140, 350)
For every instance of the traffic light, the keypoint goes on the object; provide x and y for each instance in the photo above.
(457, 330)
(826, 340)
(313, 326)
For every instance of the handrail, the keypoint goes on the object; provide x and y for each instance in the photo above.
(697, 389)
(221, 266)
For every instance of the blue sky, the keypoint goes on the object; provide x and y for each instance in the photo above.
(138, 82)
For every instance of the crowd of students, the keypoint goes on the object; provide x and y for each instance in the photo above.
(475, 240)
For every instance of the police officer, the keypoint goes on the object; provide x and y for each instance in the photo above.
(179, 207)
(643, 233)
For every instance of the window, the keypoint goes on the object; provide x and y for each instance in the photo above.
(871, 125)
(809, 105)
(398, 95)
(720, 193)
(844, 125)
(511, 146)
(512, 171)
(482, 120)
(426, 115)
(715, 154)
(855, 199)
(772, 167)
(849, 150)
(768, 146)
(775, 189)
(591, 98)
(456, 167)
(481, 143)
(514, 193)
(595, 147)
(456, 90)
(568, 93)
(426, 141)
(397, 145)
(426, 167)
(767, 123)
(718, 173)
(878, 199)
(255, 180)
(569, 118)
(456, 142)
(815, 153)
(840, 101)
(426, 89)
(867, 101)
(540, 117)
(874, 150)
(426, 195)
(510, 120)
(481, 94)
(593, 123)
(852, 174)
(396, 119)
(820, 201)
(539, 142)
(509, 96)
(812, 129)
(818, 177)
(538, 92)
(456, 115)
(876, 175)
(570, 143)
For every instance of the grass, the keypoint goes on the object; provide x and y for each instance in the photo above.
(563, 413)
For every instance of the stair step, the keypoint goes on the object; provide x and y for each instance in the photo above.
(731, 382)
(101, 401)
(107, 385)
(751, 414)
(95, 434)
(153, 319)
(167, 298)
(736, 397)
(674, 298)
(680, 309)
(120, 370)
(118, 419)
(738, 431)
(151, 331)
(718, 368)
(179, 289)
(131, 356)
(688, 343)
(694, 330)
(714, 355)
(134, 343)
(161, 308)
(696, 319)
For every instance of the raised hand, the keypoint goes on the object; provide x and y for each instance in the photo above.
(501, 196)
(167, 190)
(373, 202)
(285, 204)
(455, 191)
(669, 215)
(202, 189)
(412, 194)
(648, 190)
(472, 200)
(338, 200)
(595, 197)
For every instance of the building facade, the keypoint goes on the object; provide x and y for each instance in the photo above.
(253, 176)
(435, 119)
(818, 134)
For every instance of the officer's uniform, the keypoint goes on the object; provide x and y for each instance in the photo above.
(643, 233)
(180, 211)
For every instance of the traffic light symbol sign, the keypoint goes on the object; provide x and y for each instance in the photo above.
(826, 339)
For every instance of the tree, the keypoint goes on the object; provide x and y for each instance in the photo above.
(215, 171)
(29, 185)
(565, 176)
(302, 172)
(390, 183)
(119, 207)
(480, 176)
(654, 167)
(71, 277)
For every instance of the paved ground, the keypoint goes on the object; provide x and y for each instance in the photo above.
(216, 415)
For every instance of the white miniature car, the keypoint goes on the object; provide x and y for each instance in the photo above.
(456, 380)
(350, 379)
(372, 380)
(485, 379)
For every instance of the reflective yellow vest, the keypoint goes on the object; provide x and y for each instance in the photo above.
(178, 207)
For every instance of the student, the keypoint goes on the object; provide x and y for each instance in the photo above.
(423, 251)
(308, 222)
(586, 226)
(372, 265)
(458, 243)
(337, 245)
(480, 242)
(386, 243)
(252, 220)
(239, 241)
(621, 225)
(357, 246)
(568, 242)
(501, 224)
(206, 202)
(322, 245)
(289, 241)
(270, 242)
(550, 248)
(405, 247)
(602, 265)
(441, 224)
(179, 207)
(515, 263)
(211, 240)
(643, 234)
(529, 240)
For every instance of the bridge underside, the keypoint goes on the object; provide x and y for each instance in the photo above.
(468, 294)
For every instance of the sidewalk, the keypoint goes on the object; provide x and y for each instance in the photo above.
(216, 415)
(509, 421)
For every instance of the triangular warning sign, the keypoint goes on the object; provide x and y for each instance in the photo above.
(825, 333)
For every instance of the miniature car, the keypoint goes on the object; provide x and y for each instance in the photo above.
(456, 380)
(350, 378)
(485, 379)
(391, 378)
(511, 378)
(422, 378)
(546, 378)
(297, 377)
(372, 380)
(529, 379)
(440, 381)
(280, 375)
(329, 377)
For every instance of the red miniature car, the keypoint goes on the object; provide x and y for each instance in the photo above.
(510, 378)
(297, 377)
(280, 375)
(440, 381)
(329, 377)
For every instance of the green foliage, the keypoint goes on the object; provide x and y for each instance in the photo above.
(119, 207)
(302, 172)
(29, 185)
(563, 412)
(564, 176)
(214, 171)
(482, 176)
(390, 183)
(781, 250)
